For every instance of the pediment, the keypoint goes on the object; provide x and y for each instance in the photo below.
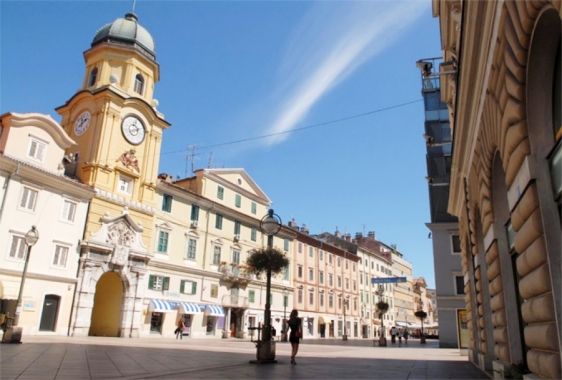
(237, 179)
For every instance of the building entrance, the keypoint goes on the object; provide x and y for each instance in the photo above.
(106, 313)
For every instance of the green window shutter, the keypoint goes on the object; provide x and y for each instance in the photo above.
(151, 282)
(251, 296)
(238, 200)
(182, 286)
(220, 192)
(166, 283)
(194, 287)
(254, 208)
(194, 213)
(236, 227)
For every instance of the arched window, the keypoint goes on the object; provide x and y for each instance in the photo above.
(139, 84)
(93, 76)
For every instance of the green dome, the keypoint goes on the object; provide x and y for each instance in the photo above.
(126, 31)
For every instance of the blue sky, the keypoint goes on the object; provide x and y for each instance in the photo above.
(319, 101)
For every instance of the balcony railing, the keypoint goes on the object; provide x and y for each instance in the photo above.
(234, 273)
(235, 301)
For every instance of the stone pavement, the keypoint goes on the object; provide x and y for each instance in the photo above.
(56, 357)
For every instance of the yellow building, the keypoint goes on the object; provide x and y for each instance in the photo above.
(118, 132)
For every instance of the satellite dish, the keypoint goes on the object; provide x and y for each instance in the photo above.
(113, 78)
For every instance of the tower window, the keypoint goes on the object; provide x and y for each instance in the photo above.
(93, 77)
(139, 84)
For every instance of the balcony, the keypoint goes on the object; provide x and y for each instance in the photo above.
(235, 301)
(234, 273)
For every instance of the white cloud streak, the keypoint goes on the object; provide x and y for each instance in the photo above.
(334, 42)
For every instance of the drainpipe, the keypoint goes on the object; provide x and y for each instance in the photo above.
(206, 236)
(7, 186)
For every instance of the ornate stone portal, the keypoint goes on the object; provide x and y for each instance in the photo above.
(117, 247)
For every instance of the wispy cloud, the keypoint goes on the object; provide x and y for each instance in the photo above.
(331, 41)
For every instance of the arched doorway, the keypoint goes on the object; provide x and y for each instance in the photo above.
(106, 313)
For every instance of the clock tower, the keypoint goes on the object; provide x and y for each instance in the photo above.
(114, 120)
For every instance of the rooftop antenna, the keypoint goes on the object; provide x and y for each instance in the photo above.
(192, 156)
(210, 165)
(133, 10)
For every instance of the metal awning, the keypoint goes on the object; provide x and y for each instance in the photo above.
(402, 324)
(214, 310)
(190, 308)
(160, 306)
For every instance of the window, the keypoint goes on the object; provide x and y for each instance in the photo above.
(321, 254)
(218, 222)
(286, 244)
(300, 247)
(310, 274)
(217, 255)
(93, 76)
(167, 203)
(361, 279)
(330, 279)
(321, 277)
(252, 296)
(68, 210)
(339, 281)
(17, 250)
(36, 149)
(321, 299)
(61, 253)
(331, 301)
(191, 249)
(285, 301)
(238, 200)
(139, 84)
(286, 273)
(330, 258)
(354, 285)
(456, 243)
(339, 303)
(311, 297)
(194, 213)
(158, 282)
(254, 208)
(163, 242)
(373, 265)
(378, 268)
(354, 267)
(299, 295)
(459, 284)
(125, 185)
(220, 192)
(339, 261)
(237, 227)
(214, 291)
(310, 252)
(254, 234)
(299, 272)
(346, 264)
(188, 287)
(28, 199)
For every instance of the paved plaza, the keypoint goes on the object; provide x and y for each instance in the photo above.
(55, 357)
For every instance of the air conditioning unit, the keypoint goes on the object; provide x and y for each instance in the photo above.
(236, 237)
(195, 224)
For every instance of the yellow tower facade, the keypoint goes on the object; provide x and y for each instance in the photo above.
(114, 120)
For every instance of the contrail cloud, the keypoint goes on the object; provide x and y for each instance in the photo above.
(330, 43)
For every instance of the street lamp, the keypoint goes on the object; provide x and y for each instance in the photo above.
(345, 303)
(421, 314)
(12, 334)
(285, 302)
(382, 338)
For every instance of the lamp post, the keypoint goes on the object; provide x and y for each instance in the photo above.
(345, 304)
(270, 226)
(422, 337)
(13, 333)
(285, 301)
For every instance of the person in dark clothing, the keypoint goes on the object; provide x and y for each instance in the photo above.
(296, 334)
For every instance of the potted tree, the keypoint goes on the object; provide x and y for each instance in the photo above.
(421, 315)
(382, 308)
(268, 260)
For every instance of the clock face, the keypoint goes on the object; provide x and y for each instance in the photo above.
(82, 123)
(133, 130)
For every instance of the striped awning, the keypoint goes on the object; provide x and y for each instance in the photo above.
(190, 308)
(214, 310)
(160, 306)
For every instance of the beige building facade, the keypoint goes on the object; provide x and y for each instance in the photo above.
(502, 82)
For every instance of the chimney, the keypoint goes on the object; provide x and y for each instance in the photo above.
(371, 235)
(337, 233)
(358, 236)
(166, 177)
(304, 229)
(292, 224)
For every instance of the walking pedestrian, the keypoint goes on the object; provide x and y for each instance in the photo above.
(296, 334)
(400, 335)
(406, 333)
(393, 334)
(180, 328)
